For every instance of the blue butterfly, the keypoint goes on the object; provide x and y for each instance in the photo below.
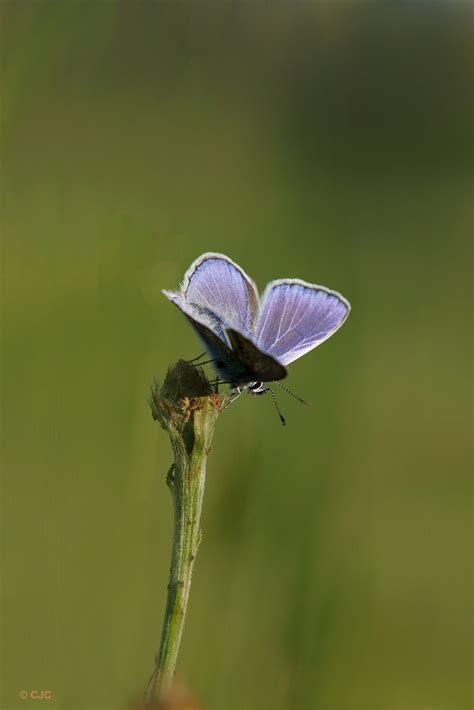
(252, 340)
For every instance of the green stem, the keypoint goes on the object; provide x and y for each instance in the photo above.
(190, 420)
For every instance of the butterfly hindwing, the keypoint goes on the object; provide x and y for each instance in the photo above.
(263, 367)
(227, 363)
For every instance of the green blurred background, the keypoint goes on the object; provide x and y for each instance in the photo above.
(330, 142)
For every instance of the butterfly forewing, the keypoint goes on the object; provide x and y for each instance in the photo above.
(215, 284)
(296, 317)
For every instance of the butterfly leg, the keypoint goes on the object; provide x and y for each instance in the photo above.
(233, 395)
(196, 359)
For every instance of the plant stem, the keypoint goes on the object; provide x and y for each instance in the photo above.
(187, 408)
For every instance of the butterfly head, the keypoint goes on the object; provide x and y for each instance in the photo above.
(257, 387)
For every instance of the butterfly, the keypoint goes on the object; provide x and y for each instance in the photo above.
(250, 339)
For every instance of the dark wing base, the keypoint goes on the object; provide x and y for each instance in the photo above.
(241, 363)
(260, 366)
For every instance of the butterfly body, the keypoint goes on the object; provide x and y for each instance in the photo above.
(238, 361)
(250, 341)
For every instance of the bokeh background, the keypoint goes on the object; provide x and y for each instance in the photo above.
(330, 142)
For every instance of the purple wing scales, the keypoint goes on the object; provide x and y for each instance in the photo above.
(296, 316)
(219, 293)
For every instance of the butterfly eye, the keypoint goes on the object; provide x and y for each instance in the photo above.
(257, 387)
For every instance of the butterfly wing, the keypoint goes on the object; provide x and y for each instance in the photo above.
(260, 366)
(297, 316)
(219, 293)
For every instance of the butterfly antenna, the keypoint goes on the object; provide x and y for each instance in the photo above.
(275, 402)
(303, 401)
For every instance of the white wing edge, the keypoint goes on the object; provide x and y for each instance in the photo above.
(177, 298)
(300, 282)
(214, 255)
